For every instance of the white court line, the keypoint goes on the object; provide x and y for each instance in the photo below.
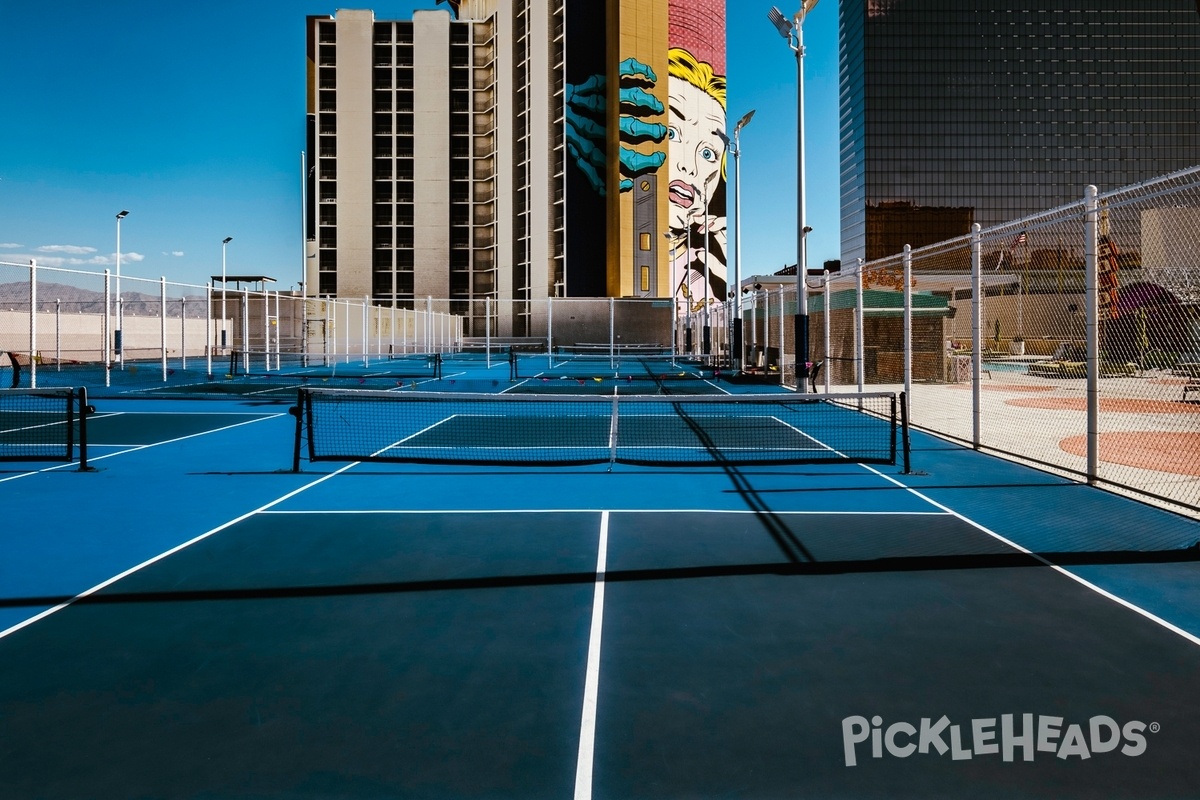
(148, 562)
(747, 511)
(1059, 569)
(591, 685)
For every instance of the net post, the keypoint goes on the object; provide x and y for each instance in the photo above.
(297, 411)
(84, 411)
(904, 442)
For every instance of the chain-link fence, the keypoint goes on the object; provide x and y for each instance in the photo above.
(68, 327)
(1070, 339)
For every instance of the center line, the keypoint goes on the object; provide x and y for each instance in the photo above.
(587, 727)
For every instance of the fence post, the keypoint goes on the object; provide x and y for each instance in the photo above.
(32, 325)
(209, 341)
(826, 289)
(162, 321)
(1091, 248)
(550, 333)
(58, 335)
(246, 331)
(104, 354)
(976, 329)
(860, 349)
(908, 351)
(267, 328)
(612, 352)
(183, 332)
(377, 321)
(331, 331)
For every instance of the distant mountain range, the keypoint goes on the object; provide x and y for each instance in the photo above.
(74, 300)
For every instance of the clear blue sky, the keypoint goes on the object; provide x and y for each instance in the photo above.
(191, 116)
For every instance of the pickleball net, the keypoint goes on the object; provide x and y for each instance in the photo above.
(618, 363)
(306, 366)
(44, 424)
(549, 430)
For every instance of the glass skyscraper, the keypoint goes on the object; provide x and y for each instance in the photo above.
(957, 112)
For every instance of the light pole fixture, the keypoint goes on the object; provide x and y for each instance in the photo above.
(120, 308)
(224, 331)
(735, 147)
(793, 31)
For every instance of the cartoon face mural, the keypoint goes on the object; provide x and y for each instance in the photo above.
(696, 157)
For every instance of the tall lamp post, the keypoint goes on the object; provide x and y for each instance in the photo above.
(735, 353)
(793, 31)
(224, 333)
(706, 338)
(687, 294)
(120, 308)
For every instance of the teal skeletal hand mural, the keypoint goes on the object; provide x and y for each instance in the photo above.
(585, 108)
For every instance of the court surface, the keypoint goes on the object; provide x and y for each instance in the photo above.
(193, 619)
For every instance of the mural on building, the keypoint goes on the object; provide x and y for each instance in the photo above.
(670, 133)
(585, 133)
(697, 151)
(697, 180)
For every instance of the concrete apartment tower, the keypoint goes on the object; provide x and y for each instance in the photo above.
(509, 151)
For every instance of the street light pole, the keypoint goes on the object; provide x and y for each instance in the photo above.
(224, 332)
(793, 31)
(735, 147)
(706, 339)
(120, 308)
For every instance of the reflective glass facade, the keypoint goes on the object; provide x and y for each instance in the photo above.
(988, 111)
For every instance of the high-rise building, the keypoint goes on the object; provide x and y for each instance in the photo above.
(954, 113)
(518, 150)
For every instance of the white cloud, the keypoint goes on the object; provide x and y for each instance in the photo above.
(71, 249)
(10, 246)
(72, 257)
(59, 262)
(175, 253)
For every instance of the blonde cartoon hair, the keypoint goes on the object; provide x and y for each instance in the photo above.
(683, 65)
